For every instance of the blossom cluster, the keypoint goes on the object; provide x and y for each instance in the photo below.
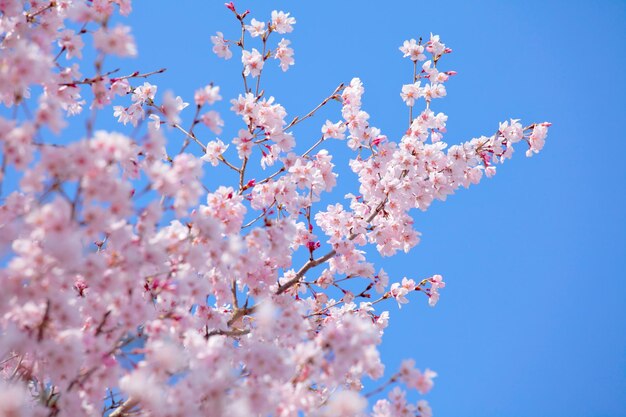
(130, 286)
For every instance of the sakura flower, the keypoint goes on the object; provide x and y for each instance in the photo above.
(270, 156)
(214, 151)
(50, 114)
(155, 122)
(256, 28)
(172, 106)
(433, 74)
(284, 141)
(120, 87)
(434, 46)
(424, 409)
(433, 298)
(220, 46)
(14, 399)
(72, 43)
(124, 5)
(102, 8)
(513, 132)
(435, 137)
(144, 93)
(537, 138)
(207, 95)
(399, 293)
(243, 142)
(381, 281)
(116, 41)
(325, 279)
(409, 284)
(131, 114)
(333, 130)
(253, 62)
(11, 7)
(432, 91)
(345, 404)
(411, 92)
(101, 93)
(281, 22)
(284, 54)
(213, 121)
(425, 381)
(413, 50)
(436, 281)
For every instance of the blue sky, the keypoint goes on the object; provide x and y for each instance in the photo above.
(533, 320)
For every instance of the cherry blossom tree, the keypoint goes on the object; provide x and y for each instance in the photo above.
(131, 288)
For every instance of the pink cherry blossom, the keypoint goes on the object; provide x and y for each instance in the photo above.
(172, 106)
(411, 49)
(207, 95)
(116, 41)
(253, 62)
(213, 121)
(72, 43)
(144, 93)
(220, 46)
(256, 28)
(214, 151)
(333, 130)
(411, 92)
(434, 46)
(282, 22)
(284, 54)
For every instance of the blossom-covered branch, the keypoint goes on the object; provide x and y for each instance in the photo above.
(131, 286)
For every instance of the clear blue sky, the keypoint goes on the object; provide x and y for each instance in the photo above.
(533, 320)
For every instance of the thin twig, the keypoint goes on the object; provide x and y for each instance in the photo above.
(297, 119)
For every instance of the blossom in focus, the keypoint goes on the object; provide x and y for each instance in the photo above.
(282, 22)
(253, 62)
(334, 130)
(411, 92)
(214, 151)
(411, 49)
(256, 28)
(284, 54)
